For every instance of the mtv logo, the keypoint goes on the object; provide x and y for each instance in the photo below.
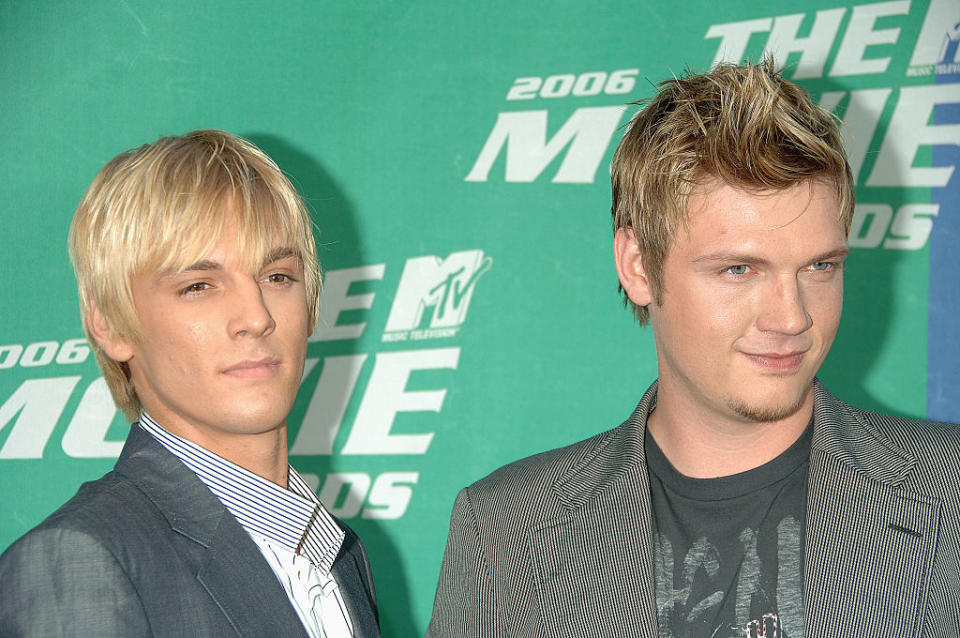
(939, 39)
(438, 289)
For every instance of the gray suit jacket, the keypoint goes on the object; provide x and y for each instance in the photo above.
(148, 550)
(560, 544)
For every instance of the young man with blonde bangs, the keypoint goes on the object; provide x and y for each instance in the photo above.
(740, 498)
(199, 285)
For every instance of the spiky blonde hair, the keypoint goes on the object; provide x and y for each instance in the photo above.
(744, 125)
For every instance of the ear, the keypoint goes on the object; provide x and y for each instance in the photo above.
(630, 269)
(116, 347)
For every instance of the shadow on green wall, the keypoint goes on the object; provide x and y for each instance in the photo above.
(339, 245)
(870, 302)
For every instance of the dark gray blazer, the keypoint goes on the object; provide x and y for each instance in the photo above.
(148, 550)
(560, 544)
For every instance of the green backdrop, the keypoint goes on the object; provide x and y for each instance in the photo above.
(455, 156)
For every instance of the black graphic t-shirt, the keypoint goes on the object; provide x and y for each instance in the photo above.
(728, 556)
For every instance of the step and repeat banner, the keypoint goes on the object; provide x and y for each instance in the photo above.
(455, 157)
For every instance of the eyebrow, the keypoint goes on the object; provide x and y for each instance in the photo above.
(203, 264)
(280, 253)
(746, 258)
(275, 255)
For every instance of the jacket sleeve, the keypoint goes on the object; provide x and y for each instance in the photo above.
(60, 582)
(465, 604)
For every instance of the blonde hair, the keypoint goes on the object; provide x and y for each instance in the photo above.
(745, 126)
(163, 207)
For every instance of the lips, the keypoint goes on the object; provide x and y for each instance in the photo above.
(264, 368)
(777, 361)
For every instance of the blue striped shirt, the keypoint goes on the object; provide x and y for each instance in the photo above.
(292, 518)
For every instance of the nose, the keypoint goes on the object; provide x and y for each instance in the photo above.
(250, 315)
(784, 310)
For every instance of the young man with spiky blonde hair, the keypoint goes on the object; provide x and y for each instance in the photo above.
(740, 498)
(199, 285)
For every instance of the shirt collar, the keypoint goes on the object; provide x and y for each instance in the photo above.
(293, 518)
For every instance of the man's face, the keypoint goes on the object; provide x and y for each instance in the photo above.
(752, 295)
(223, 348)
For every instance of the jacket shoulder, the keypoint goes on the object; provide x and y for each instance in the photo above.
(550, 463)
(911, 434)
(105, 508)
(107, 512)
(917, 454)
(526, 488)
(61, 575)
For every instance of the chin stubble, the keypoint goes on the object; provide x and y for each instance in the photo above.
(764, 413)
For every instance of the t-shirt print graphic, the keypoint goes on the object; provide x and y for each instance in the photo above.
(767, 626)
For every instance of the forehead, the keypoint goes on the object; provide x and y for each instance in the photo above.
(226, 239)
(805, 216)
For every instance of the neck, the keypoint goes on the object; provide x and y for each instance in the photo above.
(703, 444)
(263, 453)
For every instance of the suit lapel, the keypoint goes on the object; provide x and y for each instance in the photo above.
(594, 563)
(227, 563)
(241, 582)
(869, 543)
(351, 571)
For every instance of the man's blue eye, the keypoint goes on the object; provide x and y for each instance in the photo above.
(740, 269)
(821, 265)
